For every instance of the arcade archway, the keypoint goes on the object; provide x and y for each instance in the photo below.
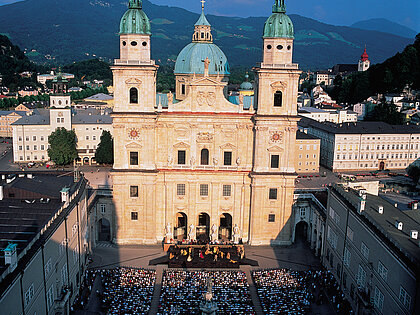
(225, 227)
(301, 232)
(203, 227)
(104, 230)
(180, 230)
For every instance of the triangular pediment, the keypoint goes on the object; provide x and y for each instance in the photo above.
(275, 148)
(181, 145)
(205, 81)
(227, 146)
(133, 145)
(133, 81)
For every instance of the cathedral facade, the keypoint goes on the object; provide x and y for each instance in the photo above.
(200, 165)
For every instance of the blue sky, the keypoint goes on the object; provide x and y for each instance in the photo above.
(337, 12)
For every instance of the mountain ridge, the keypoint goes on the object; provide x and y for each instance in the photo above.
(385, 26)
(81, 29)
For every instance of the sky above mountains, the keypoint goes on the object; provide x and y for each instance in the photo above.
(405, 12)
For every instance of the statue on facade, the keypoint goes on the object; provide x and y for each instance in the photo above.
(241, 99)
(238, 161)
(191, 233)
(236, 234)
(192, 161)
(215, 161)
(168, 233)
(213, 236)
(170, 98)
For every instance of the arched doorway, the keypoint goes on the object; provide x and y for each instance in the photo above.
(180, 230)
(104, 230)
(301, 232)
(225, 227)
(203, 227)
(86, 161)
(381, 165)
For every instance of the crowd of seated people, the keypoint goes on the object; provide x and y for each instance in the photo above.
(127, 290)
(283, 291)
(182, 292)
(205, 256)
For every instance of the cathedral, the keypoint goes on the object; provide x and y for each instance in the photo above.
(197, 164)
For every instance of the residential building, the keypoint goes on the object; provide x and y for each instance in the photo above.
(30, 133)
(307, 153)
(364, 145)
(43, 78)
(44, 242)
(204, 162)
(323, 77)
(373, 251)
(363, 109)
(28, 91)
(7, 118)
(334, 116)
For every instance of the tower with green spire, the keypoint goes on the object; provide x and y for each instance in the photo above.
(276, 90)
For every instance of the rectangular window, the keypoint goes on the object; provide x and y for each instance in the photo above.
(272, 195)
(405, 298)
(134, 158)
(134, 216)
(42, 147)
(361, 277)
(227, 190)
(34, 138)
(182, 157)
(382, 270)
(347, 257)
(378, 299)
(29, 294)
(180, 190)
(48, 267)
(227, 158)
(134, 191)
(204, 190)
(275, 161)
(64, 275)
(42, 138)
(50, 297)
(364, 250)
(103, 209)
(350, 233)
(302, 212)
(271, 218)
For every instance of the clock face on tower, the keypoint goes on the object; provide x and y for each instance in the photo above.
(275, 136)
(133, 133)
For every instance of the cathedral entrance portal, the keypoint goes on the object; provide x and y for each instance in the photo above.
(203, 227)
(225, 228)
(381, 165)
(181, 224)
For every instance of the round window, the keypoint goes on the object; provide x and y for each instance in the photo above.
(289, 47)
(133, 43)
(144, 44)
(124, 43)
(269, 47)
(279, 47)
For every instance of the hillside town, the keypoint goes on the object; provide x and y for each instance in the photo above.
(295, 191)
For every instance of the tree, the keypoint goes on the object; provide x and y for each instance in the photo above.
(105, 151)
(62, 150)
(414, 172)
(387, 113)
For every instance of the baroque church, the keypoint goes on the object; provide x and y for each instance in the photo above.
(199, 164)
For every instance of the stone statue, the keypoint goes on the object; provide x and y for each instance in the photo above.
(192, 160)
(168, 233)
(213, 236)
(241, 99)
(191, 233)
(170, 159)
(206, 66)
(238, 161)
(170, 98)
(215, 161)
(236, 234)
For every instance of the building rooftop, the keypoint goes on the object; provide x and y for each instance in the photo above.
(28, 203)
(99, 97)
(301, 135)
(362, 127)
(383, 225)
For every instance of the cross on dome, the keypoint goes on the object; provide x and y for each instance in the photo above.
(202, 4)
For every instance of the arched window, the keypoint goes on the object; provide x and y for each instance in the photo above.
(134, 96)
(278, 99)
(204, 157)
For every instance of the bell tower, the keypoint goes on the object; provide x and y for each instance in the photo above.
(135, 72)
(364, 62)
(273, 175)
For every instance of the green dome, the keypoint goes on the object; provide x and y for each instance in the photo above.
(278, 25)
(190, 59)
(135, 21)
(246, 85)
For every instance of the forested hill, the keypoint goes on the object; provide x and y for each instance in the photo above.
(73, 30)
(12, 61)
(390, 76)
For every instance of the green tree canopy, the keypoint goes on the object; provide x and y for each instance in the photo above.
(105, 151)
(62, 150)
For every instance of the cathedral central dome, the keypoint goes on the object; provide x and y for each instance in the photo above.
(191, 58)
